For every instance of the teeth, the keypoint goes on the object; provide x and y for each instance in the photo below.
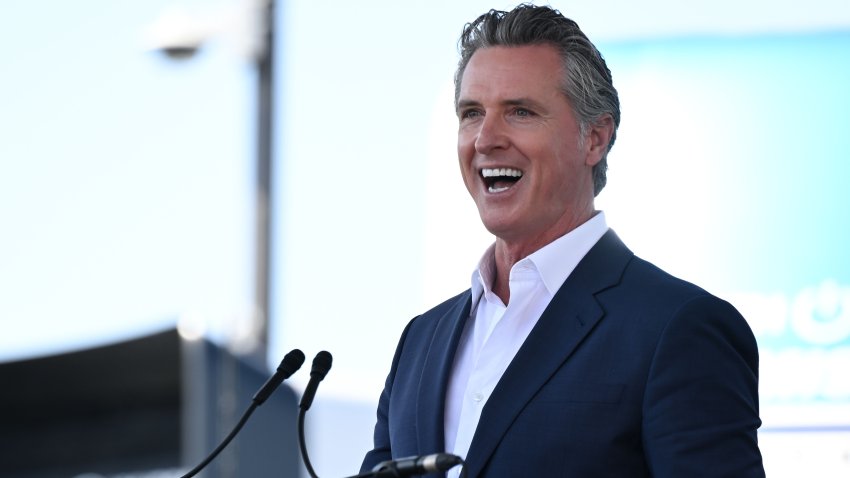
(497, 190)
(496, 172)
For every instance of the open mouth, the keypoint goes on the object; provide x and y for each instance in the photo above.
(500, 179)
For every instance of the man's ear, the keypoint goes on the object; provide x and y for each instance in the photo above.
(598, 138)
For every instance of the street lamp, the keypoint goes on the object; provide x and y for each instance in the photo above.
(247, 27)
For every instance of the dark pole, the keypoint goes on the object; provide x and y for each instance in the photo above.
(265, 109)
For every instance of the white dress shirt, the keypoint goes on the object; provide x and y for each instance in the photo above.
(494, 332)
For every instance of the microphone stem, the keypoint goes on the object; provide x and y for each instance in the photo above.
(303, 443)
(194, 471)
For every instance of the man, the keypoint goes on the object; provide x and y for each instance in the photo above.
(568, 356)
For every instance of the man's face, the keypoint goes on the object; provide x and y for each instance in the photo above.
(519, 145)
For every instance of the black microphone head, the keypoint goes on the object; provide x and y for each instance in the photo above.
(440, 462)
(416, 465)
(321, 365)
(291, 362)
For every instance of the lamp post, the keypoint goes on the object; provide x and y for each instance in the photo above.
(265, 117)
(250, 26)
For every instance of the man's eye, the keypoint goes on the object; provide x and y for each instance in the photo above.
(522, 112)
(470, 114)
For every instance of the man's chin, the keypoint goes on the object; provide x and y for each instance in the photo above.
(501, 226)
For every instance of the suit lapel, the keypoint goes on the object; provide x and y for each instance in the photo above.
(435, 375)
(569, 318)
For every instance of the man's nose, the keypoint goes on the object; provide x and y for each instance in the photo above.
(492, 135)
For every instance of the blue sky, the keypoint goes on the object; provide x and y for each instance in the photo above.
(125, 178)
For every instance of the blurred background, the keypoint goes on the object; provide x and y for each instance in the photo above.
(131, 181)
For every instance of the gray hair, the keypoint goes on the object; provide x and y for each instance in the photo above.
(587, 80)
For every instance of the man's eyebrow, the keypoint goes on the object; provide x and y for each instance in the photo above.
(461, 104)
(523, 101)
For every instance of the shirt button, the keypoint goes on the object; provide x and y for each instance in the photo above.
(477, 396)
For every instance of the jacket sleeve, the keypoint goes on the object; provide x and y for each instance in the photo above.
(701, 401)
(382, 450)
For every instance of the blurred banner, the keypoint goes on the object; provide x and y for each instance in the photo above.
(741, 157)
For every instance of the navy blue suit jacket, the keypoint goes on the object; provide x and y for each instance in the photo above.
(629, 372)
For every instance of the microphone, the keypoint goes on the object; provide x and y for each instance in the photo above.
(321, 366)
(290, 363)
(416, 465)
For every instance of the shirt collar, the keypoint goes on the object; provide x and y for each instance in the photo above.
(554, 261)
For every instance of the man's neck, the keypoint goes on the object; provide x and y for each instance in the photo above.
(509, 252)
